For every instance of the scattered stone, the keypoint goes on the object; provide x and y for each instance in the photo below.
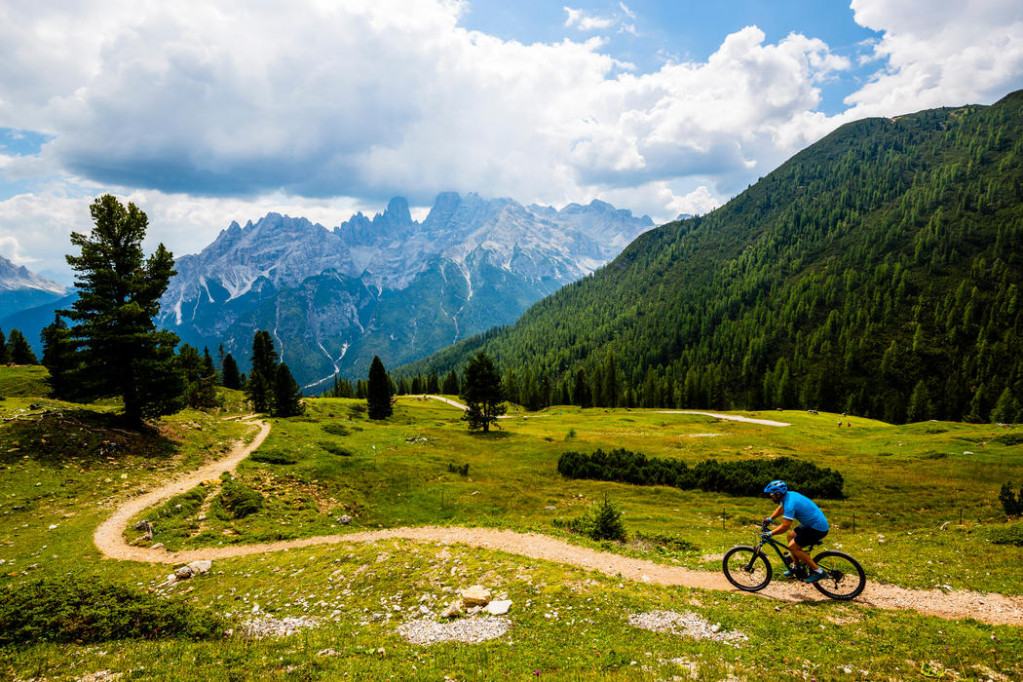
(193, 569)
(477, 595)
(327, 652)
(158, 545)
(345, 520)
(688, 624)
(147, 529)
(499, 607)
(427, 631)
(268, 626)
(454, 610)
(100, 676)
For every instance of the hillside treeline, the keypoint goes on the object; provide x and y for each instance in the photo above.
(878, 272)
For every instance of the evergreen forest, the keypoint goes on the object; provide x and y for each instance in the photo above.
(877, 272)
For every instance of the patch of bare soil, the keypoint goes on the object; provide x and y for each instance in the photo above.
(986, 607)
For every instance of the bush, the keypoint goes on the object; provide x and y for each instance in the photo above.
(461, 470)
(603, 521)
(336, 429)
(88, 610)
(745, 477)
(1009, 438)
(272, 457)
(1007, 535)
(237, 500)
(1011, 503)
(336, 449)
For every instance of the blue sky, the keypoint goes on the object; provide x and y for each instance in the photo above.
(206, 112)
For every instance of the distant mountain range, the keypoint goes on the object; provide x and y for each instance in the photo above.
(388, 285)
(21, 289)
(878, 272)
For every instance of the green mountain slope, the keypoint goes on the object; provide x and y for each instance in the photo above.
(877, 272)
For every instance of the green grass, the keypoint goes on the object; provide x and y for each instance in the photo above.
(53, 494)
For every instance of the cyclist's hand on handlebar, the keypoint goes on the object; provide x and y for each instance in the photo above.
(765, 535)
(768, 521)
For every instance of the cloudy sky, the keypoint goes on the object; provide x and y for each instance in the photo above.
(208, 111)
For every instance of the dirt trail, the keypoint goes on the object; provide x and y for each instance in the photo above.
(990, 608)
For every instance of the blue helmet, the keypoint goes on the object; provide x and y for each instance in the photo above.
(776, 487)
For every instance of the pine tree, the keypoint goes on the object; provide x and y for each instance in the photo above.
(920, 407)
(451, 383)
(378, 391)
(229, 373)
(4, 359)
(482, 393)
(287, 394)
(120, 351)
(18, 350)
(260, 384)
(1005, 409)
(59, 358)
(199, 377)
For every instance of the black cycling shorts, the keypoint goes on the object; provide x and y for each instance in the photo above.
(809, 536)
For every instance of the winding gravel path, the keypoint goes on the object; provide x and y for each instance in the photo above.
(109, 538)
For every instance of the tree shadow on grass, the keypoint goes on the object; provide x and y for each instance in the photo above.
(60, 435)
(490, 435)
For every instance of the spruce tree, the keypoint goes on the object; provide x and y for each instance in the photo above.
(378, 391)
(119, 350)
(287, 394)
(18, 350)
(260, 383)
(451, 383)
(3, 349)
(59, 358)
(229, 376)
(200, 378)
(482, 393)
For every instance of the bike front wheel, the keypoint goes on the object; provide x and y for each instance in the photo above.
(746, 568)
(844, 578)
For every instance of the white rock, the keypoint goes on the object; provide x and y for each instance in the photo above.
(499, 607)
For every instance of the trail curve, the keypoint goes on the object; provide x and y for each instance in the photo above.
(992, 608)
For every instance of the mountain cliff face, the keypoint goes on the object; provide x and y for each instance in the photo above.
(388, 285)
(21, 289)
(877, 272)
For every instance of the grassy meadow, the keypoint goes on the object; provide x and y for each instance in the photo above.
(921, 511)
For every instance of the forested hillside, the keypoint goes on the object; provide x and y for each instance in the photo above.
(877, 272)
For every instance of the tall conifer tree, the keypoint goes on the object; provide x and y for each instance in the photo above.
(482, 393)
(260, 383)
(121, 353)
(378, 391)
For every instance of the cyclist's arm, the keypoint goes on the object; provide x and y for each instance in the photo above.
(777, 512)
(783, 527)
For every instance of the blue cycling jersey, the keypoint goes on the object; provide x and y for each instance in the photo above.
(802, 509)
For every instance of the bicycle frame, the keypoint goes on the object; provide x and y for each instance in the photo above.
(779, 548)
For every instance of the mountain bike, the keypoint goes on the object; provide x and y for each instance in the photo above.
(749, 569)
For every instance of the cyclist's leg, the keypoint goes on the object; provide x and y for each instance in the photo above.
(801, 537)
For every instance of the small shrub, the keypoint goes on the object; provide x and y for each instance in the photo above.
(336, 450)
(934, 455)
(461, 470)
(237, 500)
(272, 457)
(77, 609)
(1009, 438)
(1007, 535)
(337, 429)
(1011, 503)
(603, 521)
(570, 435)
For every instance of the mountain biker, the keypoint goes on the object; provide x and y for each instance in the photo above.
(812, 528)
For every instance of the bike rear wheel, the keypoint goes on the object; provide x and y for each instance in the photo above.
(746, 568)
(845, 577)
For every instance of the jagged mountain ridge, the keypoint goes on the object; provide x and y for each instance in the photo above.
(21, 289)
(387, 285)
